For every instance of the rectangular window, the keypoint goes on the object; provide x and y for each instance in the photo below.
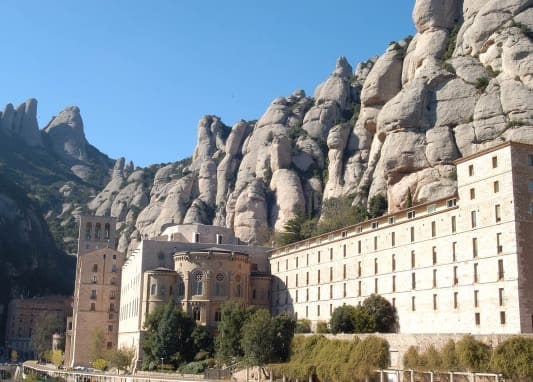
(452, 203)
(344, 271)
(330, 292)
(476, 279)
(501, 296)
(318, 293)
(331, 253)
(307, 295)
(454, 224)
(358, 269)
(393, 261)
(434, 302)
(500, 269)
(359, 246)
(411, 215)
(413, 280)
(432, 209)
(393, 238)
(494, 162)
(110, 328)
(498, 213)
(375, 225)
(394, 283)
(307, 259)
(93, 294)
(473, 218)
(375, 243)
(499, 246)
(471, 170)
(502, 318)
(330, 274)
(359, 287)
(455, 279)
(318, 276)
(454, 255)
(344, 250)
(413, 259)
(496, 186)
(296, 262)
(434, 278)
(394, 302)
(330, 309)
(434, 255)
(392, 220)
(278, 266)
(376, 286)
(433, 229)
(296, 281)
(412, 229)
(319, 256)
(413, 303)
(474, 247)
(95, 267)
(476, 298)
(472, 193)
(286, 264)
(93, 306)
(306, 311)
(296, 295)
(376, 266)
(318, 310)
(455, 300)
(306, 278)
(477, 318)
(344, 289)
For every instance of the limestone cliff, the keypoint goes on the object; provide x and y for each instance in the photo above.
(394, 125)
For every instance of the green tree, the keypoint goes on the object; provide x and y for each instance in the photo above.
(383, 312)
(168, 336)
(284, 328)
(514, 358)
(258, 338)
(57, 357)
(449, 356)
(303, 326)
(409, 199)
(202, 340)
(338, 213)
(473, 355)
(370, 354)
(377, 206)
(228, 341)
(342, 319)
(363, 320)
(43, 330)
(120, 358)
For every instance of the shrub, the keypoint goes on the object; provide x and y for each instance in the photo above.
(322, 327)
(514, 358)
(100, 364)
(473, 355)
(303, 326)
(481, 83)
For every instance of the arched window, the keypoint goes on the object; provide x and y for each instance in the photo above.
(218, 315)
(88, 231)
(97, 229)
(180, 287)
(196, 313)
(107, 230)
(219, 285)
(198, 284)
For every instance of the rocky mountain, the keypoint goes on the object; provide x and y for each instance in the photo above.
(393, 126)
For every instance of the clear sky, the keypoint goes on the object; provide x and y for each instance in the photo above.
(143, 72)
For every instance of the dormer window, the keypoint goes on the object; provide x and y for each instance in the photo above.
(219, 238)
(195, 237)
(411, 215)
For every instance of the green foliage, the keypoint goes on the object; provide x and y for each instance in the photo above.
(492, 73)
(473, 355)
(43, 330)
(100, 364)
(322, 327)
(196, 367)
(168, 336)
(303, 326)
(382, 311)
(450, 361)
(202, 340)
(377, 206)
(96, 346)
(375, 314)
(338, 213)
(409, 201)
(411, 358)
(120, 358)
(481, 83)
(257, 338)
(284, 328)
(296, 131)
(452, 41)
(228, 341)
(334, 360)
(514, 358)
(342, 319)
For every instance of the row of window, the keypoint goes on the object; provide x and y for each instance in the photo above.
(197, 286)
(97, 231)
(455, 282)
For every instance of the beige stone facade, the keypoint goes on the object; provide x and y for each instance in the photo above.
(462, 264)
(22, 316)
(197, 266)
(96, 291)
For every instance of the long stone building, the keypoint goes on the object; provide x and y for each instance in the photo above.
(463, 264)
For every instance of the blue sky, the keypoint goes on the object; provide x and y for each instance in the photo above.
(144, 72)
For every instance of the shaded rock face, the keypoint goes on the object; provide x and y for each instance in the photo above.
(397, 123)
